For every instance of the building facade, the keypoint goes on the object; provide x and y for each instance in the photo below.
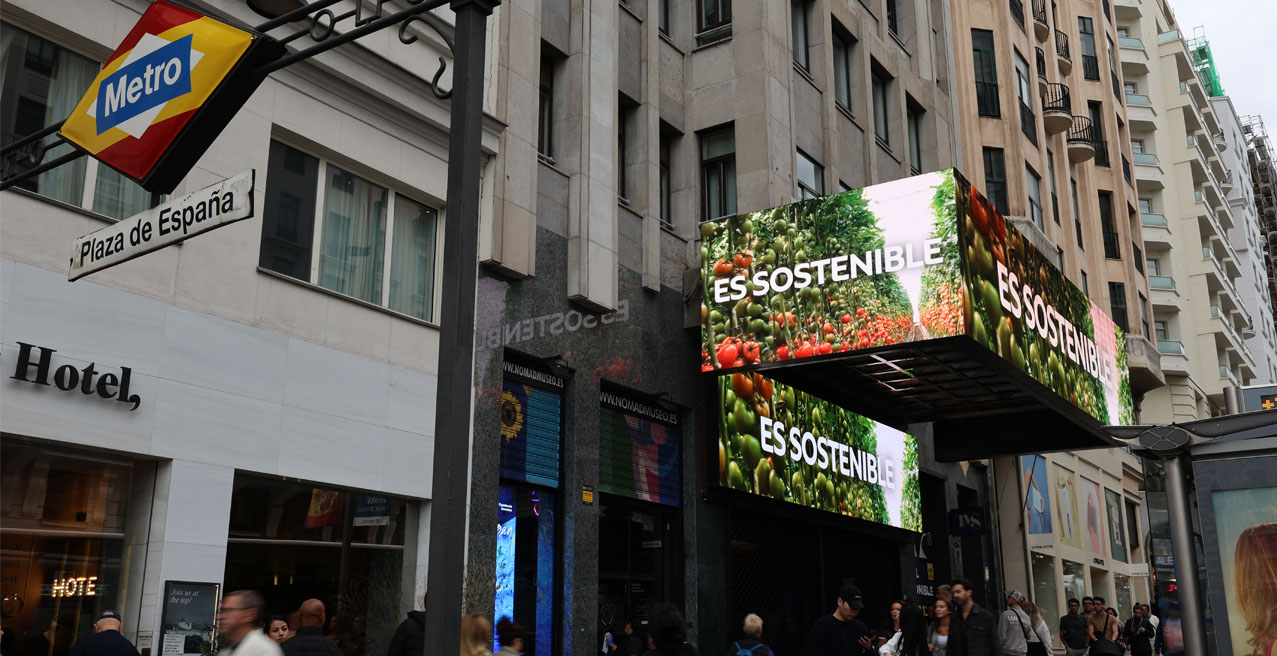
(252, 408)
(1259, 153)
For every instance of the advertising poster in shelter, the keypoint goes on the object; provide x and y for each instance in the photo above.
(1117, 540)
(1246, 527)
(1066, 514)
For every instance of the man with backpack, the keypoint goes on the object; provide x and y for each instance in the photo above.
(750, 642)
(1102, 631)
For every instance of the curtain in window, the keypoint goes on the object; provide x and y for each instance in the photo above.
(412, 259)
(117, 196)
(354, 237)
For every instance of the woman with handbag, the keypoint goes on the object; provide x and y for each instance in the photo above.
(1039, 638)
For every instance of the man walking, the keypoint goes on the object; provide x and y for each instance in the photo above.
(1100, 624)
(1088, 607)
(840, 633)
(750, 644)
(106, 639)
(1139, 633)
(1152, 619)
(310, 640)
(976, 634)
(1014, 626)
(240, 618)
(1073, 630)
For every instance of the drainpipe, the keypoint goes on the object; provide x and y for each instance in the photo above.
(1179, 508)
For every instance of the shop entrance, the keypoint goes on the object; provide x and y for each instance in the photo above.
(638, 567)
(789, 572)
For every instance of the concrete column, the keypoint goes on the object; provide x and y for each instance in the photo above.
(1179, 508)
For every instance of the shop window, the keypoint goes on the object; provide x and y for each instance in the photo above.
(288, 539)
(65, 518)
(525, 561)
(1044, 591)
(718, 172)
(45, 82)
(1074, 580)
(340, 236)
(810, 176)
(638, 561)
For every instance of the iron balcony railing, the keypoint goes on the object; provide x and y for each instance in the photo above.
(1111, 249)
(1083, 132)
(1039, 11)
(1062, 45)
(1041, 62)
(986, 95)
(1090, 67)
(1057, 99)
(1028, 123)
(1101, 152)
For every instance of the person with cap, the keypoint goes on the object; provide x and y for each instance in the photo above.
(1014, 626)
(106, 639)
(310, 640)
(840, 633)
(239, 621)
(976, 633)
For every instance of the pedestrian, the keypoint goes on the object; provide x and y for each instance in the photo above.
(510, 637)
(1088, 607)
(53, 641)
(1138, 633)
(278, 629)
(106, 639)
(1073, 630)
(750, 643)
(911, 638)
(631, 643)
(669, 632)
(310, 640)
(1170, 633)
(976, 633)
(840, 633)
(1014, 626)
(1102, 630)
(938, 634)
(410, 636)
(476, 635)
(892, 625)
(944, 592)
(1040, 637)
(239, 621)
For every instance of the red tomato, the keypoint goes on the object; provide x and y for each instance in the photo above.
(846, 318)
(749, 350)
(722, 268)
(782, 352)
(743, 259)
(805, 351)
(860, 312)
(727, 355)
(826, 348)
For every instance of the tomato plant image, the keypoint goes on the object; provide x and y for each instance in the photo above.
(776, 441)
(828, 275)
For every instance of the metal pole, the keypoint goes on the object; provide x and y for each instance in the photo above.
(453, 402)
(1179, 507)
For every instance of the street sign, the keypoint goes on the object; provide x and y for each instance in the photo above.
(212, 207)
(166, 93)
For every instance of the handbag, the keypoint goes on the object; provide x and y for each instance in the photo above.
(1105, 647)
(1034, 648)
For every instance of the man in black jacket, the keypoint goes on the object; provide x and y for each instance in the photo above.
(1139, 633)
(840, 633)
(310, 640)
(410, 637)
(975, 634)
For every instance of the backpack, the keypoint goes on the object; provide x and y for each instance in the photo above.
(1105, 647)
(741, 651)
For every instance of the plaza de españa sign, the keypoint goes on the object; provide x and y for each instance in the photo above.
(166, 93)
(903, 263)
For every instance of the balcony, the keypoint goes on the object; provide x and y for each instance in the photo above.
(1173, 359)
(1062, 59)
(1221, 142)
(1155, 230)
(1227, 183)
(1145, 364)
(1127, 9)
(1148, 171)
(1040, 27)
(1057, 108)
(1083, 138)
(1228, 337)
(1227, 374)
(1163, 295)
(1040, 59)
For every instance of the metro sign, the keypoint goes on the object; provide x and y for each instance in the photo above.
(166, 93)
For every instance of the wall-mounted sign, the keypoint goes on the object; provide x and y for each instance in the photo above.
(189, 619)
(1139, 569)
(917, 259)
(639, 447)
(777, 441)
(35, 365)
(212, 207)
(74, 586)
(166, 93)
(371, 511)
(967, 522)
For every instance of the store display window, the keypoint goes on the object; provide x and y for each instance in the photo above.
(1044, 592)
(525, 564)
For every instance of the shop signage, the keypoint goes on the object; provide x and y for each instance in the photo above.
(777, 441)
(639, 447)
(166, 93)
(533, 375)
(1098, 562)
(371, 511)
(924, 573)
(918, 259)
(77, 586)
(966, 522)
(639, 408)
(1139, 569)
(212, 207)
(39, 370)
(189, 619)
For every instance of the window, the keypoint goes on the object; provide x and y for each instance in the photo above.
(1055, 202)
(1024, 88)
(1077, 215)
(1144, 315)
(798, 19)
(1090, 63)
(1137, 146)
(1059, 257)
(1086, 286)
(1096, 111)
(1154, 266)
(995, 178)
(811, 177)
(893, 17)
(667, 217)
(1146, 206)
(843, 186)
(1111, 249)
(1159, 329)
(713, 14)
(545, 108)
(339, 235)
(46, 81)
(843, 45)
(986, 73)
(1117, 82)
(1130, 88)
(626, 129)
(915, 137)
(1017, 12)
(881, 83)
(663, 16)
(1034, 182)
(718, 172)
(1117, 305)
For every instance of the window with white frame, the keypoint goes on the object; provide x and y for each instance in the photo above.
(41, 83)
(325, 225)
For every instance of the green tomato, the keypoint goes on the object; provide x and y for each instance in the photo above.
(735, 478)
(753, 451)
(708, 229)
(763, 477)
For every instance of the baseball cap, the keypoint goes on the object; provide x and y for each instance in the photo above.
(851, 594)
(1015, 594)
(108, 615)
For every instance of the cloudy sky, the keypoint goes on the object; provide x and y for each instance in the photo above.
(1243, 40)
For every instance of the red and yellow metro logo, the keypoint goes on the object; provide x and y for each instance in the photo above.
(145, 112)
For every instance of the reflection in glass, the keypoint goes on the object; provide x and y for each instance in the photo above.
(354, 236)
